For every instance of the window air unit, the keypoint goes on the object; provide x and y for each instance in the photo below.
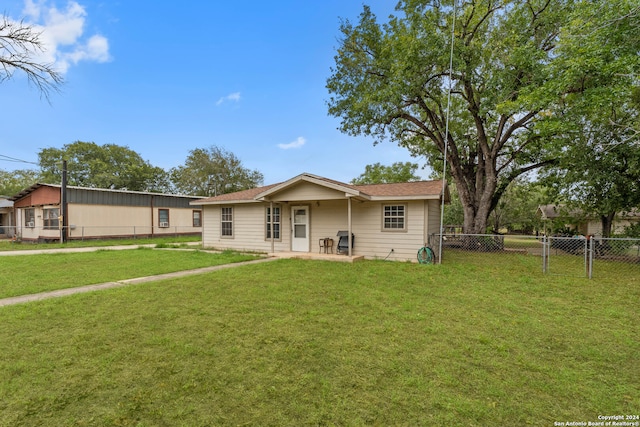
(164, 225)
(31, 224)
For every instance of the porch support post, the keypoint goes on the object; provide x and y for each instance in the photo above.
(349, 225)
(271, 226)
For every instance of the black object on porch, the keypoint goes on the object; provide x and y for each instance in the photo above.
(343, 243)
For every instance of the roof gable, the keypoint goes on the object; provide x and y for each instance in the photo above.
(321, 182)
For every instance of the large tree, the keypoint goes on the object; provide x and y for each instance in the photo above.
(518, 207)
(596, 123)
(12, 182)
(102, 166)
(600, 172)
(212, 172)
(20, 46)
(380, 174)
(511, 67)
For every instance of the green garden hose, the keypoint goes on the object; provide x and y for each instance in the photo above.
(426, 255)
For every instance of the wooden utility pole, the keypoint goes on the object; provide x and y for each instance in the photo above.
(64, 228)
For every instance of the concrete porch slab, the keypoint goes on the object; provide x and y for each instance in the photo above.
(317, 257)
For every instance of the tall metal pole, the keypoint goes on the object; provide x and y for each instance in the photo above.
(446, 134)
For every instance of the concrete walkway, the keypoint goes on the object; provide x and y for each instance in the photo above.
(90, 288)
(86, 249)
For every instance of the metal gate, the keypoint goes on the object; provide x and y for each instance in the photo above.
(566, 256)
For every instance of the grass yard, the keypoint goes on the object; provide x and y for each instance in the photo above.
(30, 274)
(474, 342)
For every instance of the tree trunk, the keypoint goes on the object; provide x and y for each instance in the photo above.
(607, 223)
(476, 192)
(476, 214)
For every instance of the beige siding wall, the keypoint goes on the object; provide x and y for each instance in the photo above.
(38, 231)
(103, 220)
(327, 217)
(306, 191)
(594, 228)
(249, 228)
(433, 221)
(373, 242)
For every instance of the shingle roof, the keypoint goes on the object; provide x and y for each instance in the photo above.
(417, 188)
(244, 195)
(404, 189)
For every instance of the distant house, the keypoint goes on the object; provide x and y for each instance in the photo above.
(101, 213)
(6, 217)
(576, 220)
(306, 213)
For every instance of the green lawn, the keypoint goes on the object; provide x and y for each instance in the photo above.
(30, 274)
(476, 341)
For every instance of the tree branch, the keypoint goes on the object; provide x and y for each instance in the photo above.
(19, 43)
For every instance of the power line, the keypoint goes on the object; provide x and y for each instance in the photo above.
(13, 159)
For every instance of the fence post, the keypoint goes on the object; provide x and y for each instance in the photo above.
(591, 248)
(544, 254)
(586, 257)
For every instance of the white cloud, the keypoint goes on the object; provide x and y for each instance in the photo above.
(235, 97)
(299, 142)
(62, 34)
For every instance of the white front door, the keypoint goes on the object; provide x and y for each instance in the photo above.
(300, 232)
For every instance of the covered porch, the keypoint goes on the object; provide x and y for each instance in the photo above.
(318, 210)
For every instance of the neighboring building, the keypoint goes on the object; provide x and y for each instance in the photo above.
(6, 217)
(100, 213)
(303, 214)
(554, 216)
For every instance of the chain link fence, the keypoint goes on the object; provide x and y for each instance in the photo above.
(566, 255)
(614, 254)
(574, 256)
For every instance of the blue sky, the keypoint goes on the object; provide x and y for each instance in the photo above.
(164, 78)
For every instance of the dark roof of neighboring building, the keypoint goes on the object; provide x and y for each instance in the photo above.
(556, 211)
(73, 187)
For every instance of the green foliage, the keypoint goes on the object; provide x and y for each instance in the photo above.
(632, 230)
(213, 171)
(598, 169)
(12, 182)
(453, 212)
(379, 174)
(516, 65)
(107, 166)
(517, 209)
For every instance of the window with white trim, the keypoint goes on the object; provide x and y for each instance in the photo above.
(394, 217)
(276, 223)
(197, 218)
(163, 218)
(30, 217)
(226, 222)
(51, 218)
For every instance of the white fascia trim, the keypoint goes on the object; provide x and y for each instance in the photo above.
(349, 192)
(225, 202)
(403, 198)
